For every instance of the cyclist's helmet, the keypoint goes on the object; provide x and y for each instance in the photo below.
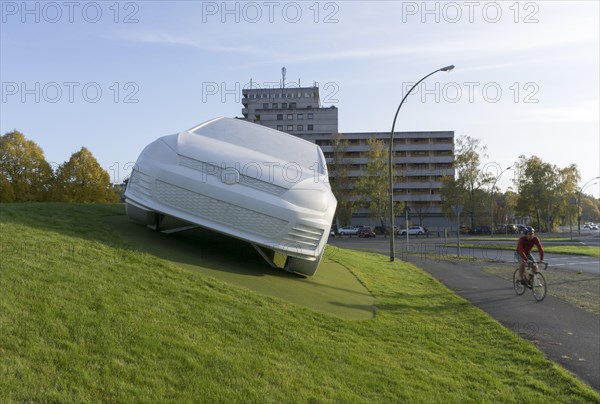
(528, 229)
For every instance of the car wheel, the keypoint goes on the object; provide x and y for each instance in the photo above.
(420, 233)
(139, 215)
(301, 266)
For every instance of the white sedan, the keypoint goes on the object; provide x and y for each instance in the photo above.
(348, 231)
(243, 180)
(414, 231)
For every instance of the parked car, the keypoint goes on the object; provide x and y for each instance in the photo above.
(481, 230)
(510, 228)
(379, 230)
(465, 229)
(366, 231)
(348, 231)
(210, 176)
(414, 230)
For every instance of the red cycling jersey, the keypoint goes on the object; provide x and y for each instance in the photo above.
(525, 246)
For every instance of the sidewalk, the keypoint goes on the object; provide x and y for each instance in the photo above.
(566, 334)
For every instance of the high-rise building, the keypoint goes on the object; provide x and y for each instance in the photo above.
(421, 159)
(296, 111)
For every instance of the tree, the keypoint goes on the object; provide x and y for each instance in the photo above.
(341, 185)
(467, 187)
(590, 209)
(25, 175)
(82, 179)
(544, 190)
(373, 185)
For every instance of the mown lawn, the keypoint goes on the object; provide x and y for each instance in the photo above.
(87, 317)
(557, 249)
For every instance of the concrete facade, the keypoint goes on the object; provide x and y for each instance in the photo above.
(296, 111)
(421, 159)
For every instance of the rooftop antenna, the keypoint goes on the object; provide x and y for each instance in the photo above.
(283, 70)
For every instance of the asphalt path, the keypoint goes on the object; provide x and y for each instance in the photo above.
(439, 249)
(565, 333)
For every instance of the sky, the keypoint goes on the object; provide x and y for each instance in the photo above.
(114, 76)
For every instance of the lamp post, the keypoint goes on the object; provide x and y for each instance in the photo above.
(391, 190)
(492, 202)
(587, 184)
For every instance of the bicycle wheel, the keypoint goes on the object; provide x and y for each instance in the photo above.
(538, 286)
(519, 287)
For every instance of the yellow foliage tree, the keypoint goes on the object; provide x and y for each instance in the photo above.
(82, 179)
(25, 175)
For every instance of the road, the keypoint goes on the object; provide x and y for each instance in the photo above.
(438, 248)
(565, 333)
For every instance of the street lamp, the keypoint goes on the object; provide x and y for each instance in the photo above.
(587, 184)
(391, 190)
(492, 202)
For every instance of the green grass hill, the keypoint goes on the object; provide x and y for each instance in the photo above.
(96, 309)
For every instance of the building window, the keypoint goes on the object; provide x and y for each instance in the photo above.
(290, 116)
(310, 127)
(279, 127)
(300, 116)
(284, 105)
(300, 127)
(290, 127)
(310, 115)
(292, 105)
(280, 117)
(274, 105)
(266, 105)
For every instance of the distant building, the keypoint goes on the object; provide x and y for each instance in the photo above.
(293, 110)
(421, 158)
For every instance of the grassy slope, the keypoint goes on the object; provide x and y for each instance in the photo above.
(84, 318)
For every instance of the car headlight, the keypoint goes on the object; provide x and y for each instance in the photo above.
(310, 195)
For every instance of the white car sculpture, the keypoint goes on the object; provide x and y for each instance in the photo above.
(244, 180)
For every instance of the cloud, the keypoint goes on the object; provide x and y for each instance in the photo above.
(582, 112)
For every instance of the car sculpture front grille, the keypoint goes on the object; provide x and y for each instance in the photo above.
(218, 211)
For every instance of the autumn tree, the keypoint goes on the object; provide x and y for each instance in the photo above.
(374, 184)
(468, 186)
(82, 179)
(590, 209)
(341, 184)
(25, 175)
(544, 190)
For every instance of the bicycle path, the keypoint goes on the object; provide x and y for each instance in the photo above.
(566, 334)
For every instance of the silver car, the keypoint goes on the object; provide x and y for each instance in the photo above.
(243, 180)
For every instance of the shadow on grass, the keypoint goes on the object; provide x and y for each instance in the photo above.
(333, 289)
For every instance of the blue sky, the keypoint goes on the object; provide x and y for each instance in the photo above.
(114, 76)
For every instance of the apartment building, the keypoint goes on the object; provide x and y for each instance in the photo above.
(421, 159)
(296, 110)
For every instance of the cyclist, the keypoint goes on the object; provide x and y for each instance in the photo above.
(523, 253)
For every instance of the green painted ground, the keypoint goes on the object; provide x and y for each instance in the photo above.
(333, 289)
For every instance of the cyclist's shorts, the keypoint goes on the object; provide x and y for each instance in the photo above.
(518, 257)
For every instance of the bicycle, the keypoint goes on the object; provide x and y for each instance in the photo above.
(537, 282)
